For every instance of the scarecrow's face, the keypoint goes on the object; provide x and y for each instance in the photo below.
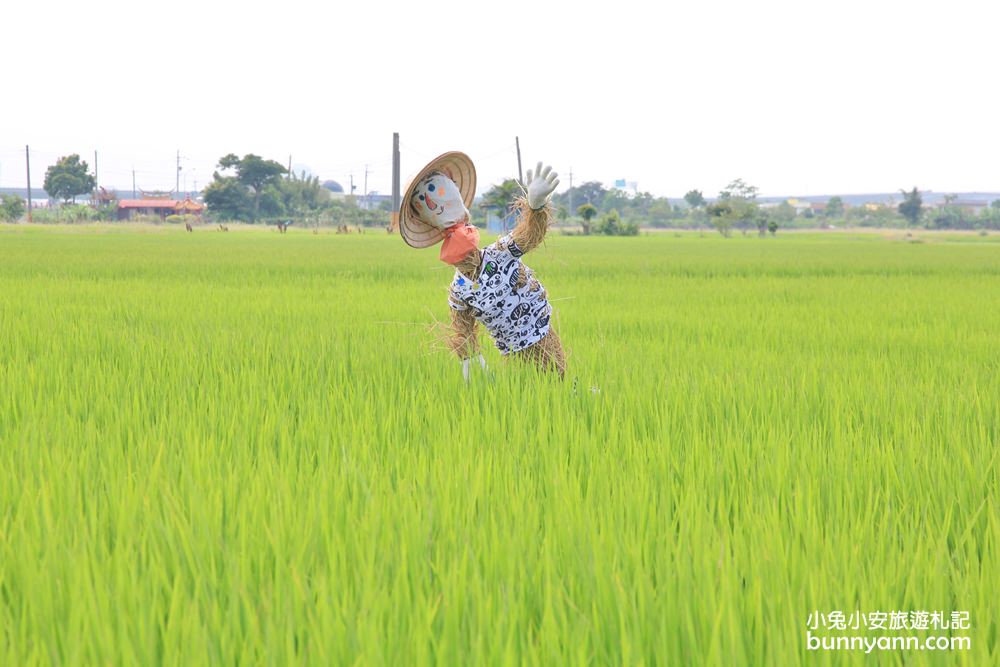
(438, 201)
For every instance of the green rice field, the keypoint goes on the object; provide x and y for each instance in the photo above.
(248, 448)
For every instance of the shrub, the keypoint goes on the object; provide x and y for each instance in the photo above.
(611, 224)
(11, 208)
(78, 213)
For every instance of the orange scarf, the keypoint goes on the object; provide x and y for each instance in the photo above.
(459, 241)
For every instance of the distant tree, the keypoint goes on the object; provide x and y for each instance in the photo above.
(615, 200)
(989, 217)
(912, 206)
(694, 198)
(950, 217)
(591, 192)
(772, 227)
(739, 200)
(739, 190)
(501, 197)
(834, 208)
(880, 215)
(661, 212)
(227, 198)
(303, 195)
(762, 219)
(271, 203)
(784, 212)
(254, 172)
(11, 208)
(587, 212)
(640, 204)
(698, 217)
(720, 216)
(67, 178)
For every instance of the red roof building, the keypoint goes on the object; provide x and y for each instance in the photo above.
(127, 208)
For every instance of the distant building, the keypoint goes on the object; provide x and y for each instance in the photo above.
(799, 205)
(967, 206)
(373, 201)
(128, 208)
(496, 224)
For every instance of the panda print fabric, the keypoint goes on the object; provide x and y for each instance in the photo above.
(516, 317)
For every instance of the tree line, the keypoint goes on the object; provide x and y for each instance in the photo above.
(245, 189)
(253, 189)
(599, 210)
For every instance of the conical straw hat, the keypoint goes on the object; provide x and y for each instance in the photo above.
(456, 166)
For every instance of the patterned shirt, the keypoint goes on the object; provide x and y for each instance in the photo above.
(516, 317)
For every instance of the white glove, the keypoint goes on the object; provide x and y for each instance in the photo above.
(541, 186)
(465, 367)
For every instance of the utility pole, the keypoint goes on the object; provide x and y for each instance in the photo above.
(395, 182)
(351, 192)
(177, 185)
(133, 182)
(520, 174)
(366, 187)
(571, 192)
(289, 166)
(27, 164)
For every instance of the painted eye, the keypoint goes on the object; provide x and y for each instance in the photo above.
(431, 187)
(421, 197)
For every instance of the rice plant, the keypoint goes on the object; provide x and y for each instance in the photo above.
(244, 449)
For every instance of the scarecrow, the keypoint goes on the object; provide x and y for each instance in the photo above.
(491, 285)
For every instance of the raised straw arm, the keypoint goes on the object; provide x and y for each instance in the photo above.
(534, 212)
(532, 224)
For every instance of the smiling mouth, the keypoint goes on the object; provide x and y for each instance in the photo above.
(434, 207)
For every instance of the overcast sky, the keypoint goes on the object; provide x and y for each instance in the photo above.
(797, 97)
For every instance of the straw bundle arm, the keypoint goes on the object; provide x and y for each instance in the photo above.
(532, 224)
